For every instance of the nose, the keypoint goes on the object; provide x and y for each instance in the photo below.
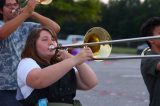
(51, 42)
(13, 6)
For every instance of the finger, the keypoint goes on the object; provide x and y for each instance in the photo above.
(58, 54)
(59, 58)
(87, 48)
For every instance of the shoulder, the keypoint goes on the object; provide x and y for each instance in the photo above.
(27, 61)
(27, 64)
(25, 24)
(27, 27)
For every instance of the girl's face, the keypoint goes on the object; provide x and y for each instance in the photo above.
(42, 45)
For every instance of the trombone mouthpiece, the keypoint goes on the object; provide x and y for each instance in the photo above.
(13, 11)
(16, 10)
(51, 47)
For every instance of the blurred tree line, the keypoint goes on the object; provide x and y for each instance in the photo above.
(121, 18)
(74, 17)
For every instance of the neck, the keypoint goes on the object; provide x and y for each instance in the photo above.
(47, 60)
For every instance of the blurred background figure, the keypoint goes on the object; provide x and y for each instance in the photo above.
(13, 34)
(150, 67)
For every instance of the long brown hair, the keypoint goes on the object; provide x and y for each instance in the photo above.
(30, 50)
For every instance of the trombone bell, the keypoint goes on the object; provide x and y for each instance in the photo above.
(44, 2)
(98, 34)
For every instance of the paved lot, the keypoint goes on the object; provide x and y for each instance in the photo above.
(120, 84)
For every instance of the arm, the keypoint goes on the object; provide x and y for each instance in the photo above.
(40, 78)
(158, 67)
(46, 21)
(86, 78)
(11, 25)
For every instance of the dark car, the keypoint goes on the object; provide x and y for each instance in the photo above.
(141, 47)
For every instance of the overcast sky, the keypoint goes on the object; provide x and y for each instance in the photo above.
(105, 1)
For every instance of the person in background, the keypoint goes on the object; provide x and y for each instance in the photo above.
(150, 67)
(52, 75)
(13, 35)
(74, 51)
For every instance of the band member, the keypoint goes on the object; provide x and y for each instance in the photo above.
(52, 75)
(150, 67)
(13, 35)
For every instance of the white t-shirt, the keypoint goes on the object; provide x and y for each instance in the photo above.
(24, 67)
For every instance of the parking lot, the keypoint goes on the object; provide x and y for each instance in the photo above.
(120, 84)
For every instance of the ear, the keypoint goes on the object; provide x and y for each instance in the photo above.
(151, 41)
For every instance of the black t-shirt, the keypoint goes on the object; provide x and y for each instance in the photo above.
(151, 78)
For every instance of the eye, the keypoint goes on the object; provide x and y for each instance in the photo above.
(9, 4)
(44, 39)
(53, 39)
(15, 4)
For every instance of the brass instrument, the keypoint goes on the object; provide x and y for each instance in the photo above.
(98, 34)
(43, 2)
(99, 40)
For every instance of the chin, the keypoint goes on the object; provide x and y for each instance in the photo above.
(51, 54)
(10, 18)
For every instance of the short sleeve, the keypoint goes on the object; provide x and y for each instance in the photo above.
(32, 25)
(24, 67)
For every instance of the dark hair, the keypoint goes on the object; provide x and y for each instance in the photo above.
(2, 3)
(30, 50)
(148, 27)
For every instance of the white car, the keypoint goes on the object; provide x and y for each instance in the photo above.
(63, 42)
(141, 47)
(71, 39)
(75, 38)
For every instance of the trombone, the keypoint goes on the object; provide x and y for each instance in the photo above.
(99, 40)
